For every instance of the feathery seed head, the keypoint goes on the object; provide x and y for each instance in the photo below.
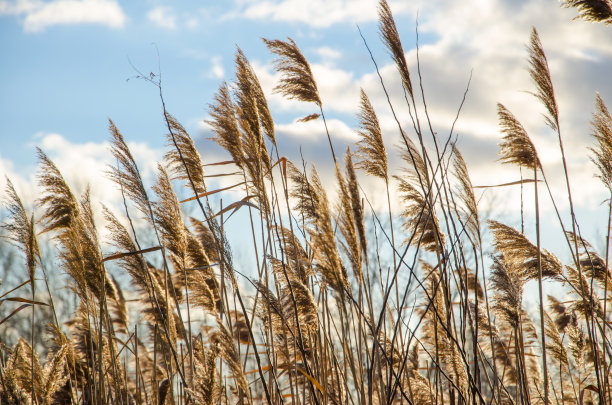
(592, 10)
(184, 160)
(516, 147)
(540, 74)
(391, 38)
(371, 148)
(297, 81)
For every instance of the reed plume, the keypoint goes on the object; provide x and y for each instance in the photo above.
(248, 83)
(169, 218)
(20, 230)
(222, 339)
(516, 147)
(297, 332)
(126, 173)
(522, 256)
(297, 81)
(602, 131)
(75, 230)
(353, 187)
(206, 387)
(592, 10)
(371, 150)
(391, 38)
(540, 74)
(313, 204)
(225, 124)
(184, 160)
(466, 195)
(347, 225)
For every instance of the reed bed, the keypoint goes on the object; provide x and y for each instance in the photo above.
(325, 313)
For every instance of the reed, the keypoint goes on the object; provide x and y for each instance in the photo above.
(339, 303)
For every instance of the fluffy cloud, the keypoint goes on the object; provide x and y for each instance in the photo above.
(82, 165)
(490, 43)
(216, 69)
(163, 17)
(37, 15)
(316, 13)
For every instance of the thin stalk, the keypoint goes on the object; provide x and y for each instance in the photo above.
(327, 132)
(605, 306)
(542, 329)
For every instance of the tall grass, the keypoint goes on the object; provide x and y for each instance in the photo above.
(326, 313)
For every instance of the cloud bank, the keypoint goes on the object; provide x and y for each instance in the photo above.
(37, 16)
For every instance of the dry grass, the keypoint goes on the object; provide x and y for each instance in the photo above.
(324, 320)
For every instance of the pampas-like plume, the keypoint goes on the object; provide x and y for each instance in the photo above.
(313, 204)
(249, 83)
(16, 382)
(205, 383)
(297, 81)
(507, 281)
(466, 194)
(126, 174)
(225, 124)
(120, 310)
(472, 282)
(353, 187)
(522, 256)
(347, 224)
(592, 10)
(540, 74)
(517, 147)
(279, 313)
(602, 131)
(76, 232)
(391, 38)
(415, 172)
(309, 117)
(61, 207)
(20, 230)
(371, 148)
(201, 279)
(206, 238)
(587, 303)
(53, 375)
(224, 342)
(419, 214)
(555, 344)
(420, 218)
(47, 380)
(297, 263)
(562, 315)
(253, 117)
(134, 265)
(183, 159)
(148, 281)
(592, 265)
(169, 218)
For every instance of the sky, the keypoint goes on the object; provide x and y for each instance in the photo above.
(70, 65)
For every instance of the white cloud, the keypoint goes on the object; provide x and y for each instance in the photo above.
(163, 17)
(37, 15)
(492, 44)
(315, 129)
(82, 165)
(316, 13)
(216, 70)
(328, 54)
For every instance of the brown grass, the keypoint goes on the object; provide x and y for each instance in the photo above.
(337, 311)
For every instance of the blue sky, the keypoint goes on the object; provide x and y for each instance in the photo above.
(66, 64)
(67, 77)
